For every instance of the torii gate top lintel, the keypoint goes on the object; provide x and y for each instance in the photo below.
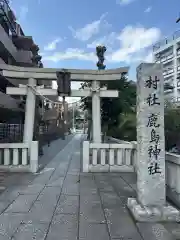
(23, 73)
(50, 74)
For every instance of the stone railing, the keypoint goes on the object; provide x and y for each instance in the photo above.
(108, 157)
(173, 177)
(15, 157)
(115, 140)
(172, 174)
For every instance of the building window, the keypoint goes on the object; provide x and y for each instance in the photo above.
(178, 99)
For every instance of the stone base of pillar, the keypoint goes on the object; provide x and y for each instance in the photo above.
(166, 213)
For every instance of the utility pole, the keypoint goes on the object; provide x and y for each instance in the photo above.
(84, 122)
(73, 119)
(63, 121)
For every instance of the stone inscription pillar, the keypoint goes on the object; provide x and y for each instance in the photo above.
(151, 194)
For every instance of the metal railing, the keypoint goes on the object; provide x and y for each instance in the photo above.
(166, 40)
(7, 13)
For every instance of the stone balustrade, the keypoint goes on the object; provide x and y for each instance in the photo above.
(173, 177)
(16, 157)
(108, 157)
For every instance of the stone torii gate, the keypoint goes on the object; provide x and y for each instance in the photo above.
(31, 75)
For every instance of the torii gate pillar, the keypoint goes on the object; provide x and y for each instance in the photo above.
(96, 113)
(96, 104)
(29, 113)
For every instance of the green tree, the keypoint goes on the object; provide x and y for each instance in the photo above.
(126, 130)
(172, 125)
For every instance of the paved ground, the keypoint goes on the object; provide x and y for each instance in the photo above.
(54, 148)
(10, 179)
(61, 203)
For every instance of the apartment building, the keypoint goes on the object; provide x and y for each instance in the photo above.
(16, 49)
(167, 52)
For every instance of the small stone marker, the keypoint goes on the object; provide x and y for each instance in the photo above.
(151, 192)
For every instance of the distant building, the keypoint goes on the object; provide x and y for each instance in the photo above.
(15, 49)
(167, 52)
(20, 50)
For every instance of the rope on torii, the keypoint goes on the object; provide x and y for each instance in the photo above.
(32, 75)
(59, 103)
(49, 100)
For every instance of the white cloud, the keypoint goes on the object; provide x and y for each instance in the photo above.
(71, 53)
(149, 57)
(134, 44)
(52, 45)
(147, 10)
(133, 41)
(124, 2)
(23, 12)
(90, 29)
(108, 41)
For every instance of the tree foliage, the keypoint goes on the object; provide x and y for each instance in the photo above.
(172, 125)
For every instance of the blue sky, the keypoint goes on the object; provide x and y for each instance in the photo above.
(68, 31)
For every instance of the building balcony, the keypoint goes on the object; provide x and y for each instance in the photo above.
(167, 42)
(165, 59)
(7, 17)
(169, 80)
(24, 56)
(178, 99)
(178, 52)
(7, 42)
(168, 87)
(178, 68)
(178, 85)
(23, 42)
(7, 46)
(7, 101)
(168, 73)
(168, 91)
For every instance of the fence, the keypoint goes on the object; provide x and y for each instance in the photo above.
(16, 157)
(105, 157)
(11, 133)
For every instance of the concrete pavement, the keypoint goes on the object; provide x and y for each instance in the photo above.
(9, 179)
(61, 203)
